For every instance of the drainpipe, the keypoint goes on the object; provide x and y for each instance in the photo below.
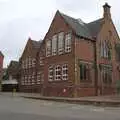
(96, 68)
(75, 70)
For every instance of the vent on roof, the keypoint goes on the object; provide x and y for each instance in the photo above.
(80, 21)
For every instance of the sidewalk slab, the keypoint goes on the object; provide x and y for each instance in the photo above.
(83, 100)
(112, 100)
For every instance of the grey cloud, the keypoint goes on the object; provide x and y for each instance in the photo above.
(23, 18)
(76, 5)
(15, 36)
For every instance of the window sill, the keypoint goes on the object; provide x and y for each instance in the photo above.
(85, 81)
(106, 58)
(57, 81)
(59, 54)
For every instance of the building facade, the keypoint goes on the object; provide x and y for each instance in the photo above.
(1, 65)
(79, 59)
(13, 70)
(11, 77)
(28, 71)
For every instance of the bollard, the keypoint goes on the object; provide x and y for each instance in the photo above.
(13, 92)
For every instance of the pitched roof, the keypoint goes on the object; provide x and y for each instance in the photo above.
(87, 30)
(1, 54)
(13, 67)
(14, 64)
(78, 26)
(95, 26)
(36, 44)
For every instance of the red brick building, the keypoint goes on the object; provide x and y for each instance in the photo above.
(81, 58)
(28, 71)
(78, 59)
(1, 64)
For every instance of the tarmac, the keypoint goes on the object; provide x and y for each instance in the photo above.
(111, 100)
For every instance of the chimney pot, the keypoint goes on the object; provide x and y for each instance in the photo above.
(107, 13)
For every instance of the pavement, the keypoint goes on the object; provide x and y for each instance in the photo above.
(15, 107)
(111, 100)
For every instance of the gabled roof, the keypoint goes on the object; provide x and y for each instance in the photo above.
(13, 68)
(78, 26)
(13, 64)
(1, 54)
(87, 30)
(95, 26)
(36, 44)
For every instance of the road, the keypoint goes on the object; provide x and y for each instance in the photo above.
(18, 108)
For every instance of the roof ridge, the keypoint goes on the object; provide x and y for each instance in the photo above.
(95, 21)
(82, 29)
(36, 44)
(95, 26)
(78, 26)
(67, 15)
(77, 19)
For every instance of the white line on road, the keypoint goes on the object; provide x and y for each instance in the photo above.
(98, 109)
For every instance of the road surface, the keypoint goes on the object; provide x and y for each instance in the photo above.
(18, 108)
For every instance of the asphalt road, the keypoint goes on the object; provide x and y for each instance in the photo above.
(17, 108)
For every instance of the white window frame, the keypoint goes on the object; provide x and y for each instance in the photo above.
(27, 63)
(104, 49)
(68, 42)
(38, 77)
(60, 43)
(57, 70)
(33, 80)
(50, 70)
(33, 62)
(29, 60)
(54, 45)
(41, 60)
(64, 75)
(48, 48)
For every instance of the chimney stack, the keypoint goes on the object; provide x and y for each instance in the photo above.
(107, 13)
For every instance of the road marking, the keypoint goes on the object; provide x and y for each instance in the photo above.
(77, 108)
(98, 109)
(47, 103)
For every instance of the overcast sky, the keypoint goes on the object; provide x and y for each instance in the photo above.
(20, 19)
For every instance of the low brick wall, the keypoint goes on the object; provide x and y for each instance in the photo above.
(61, 91)
(109, 91)
(81, 92)
(67, 91)
(31, 89)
